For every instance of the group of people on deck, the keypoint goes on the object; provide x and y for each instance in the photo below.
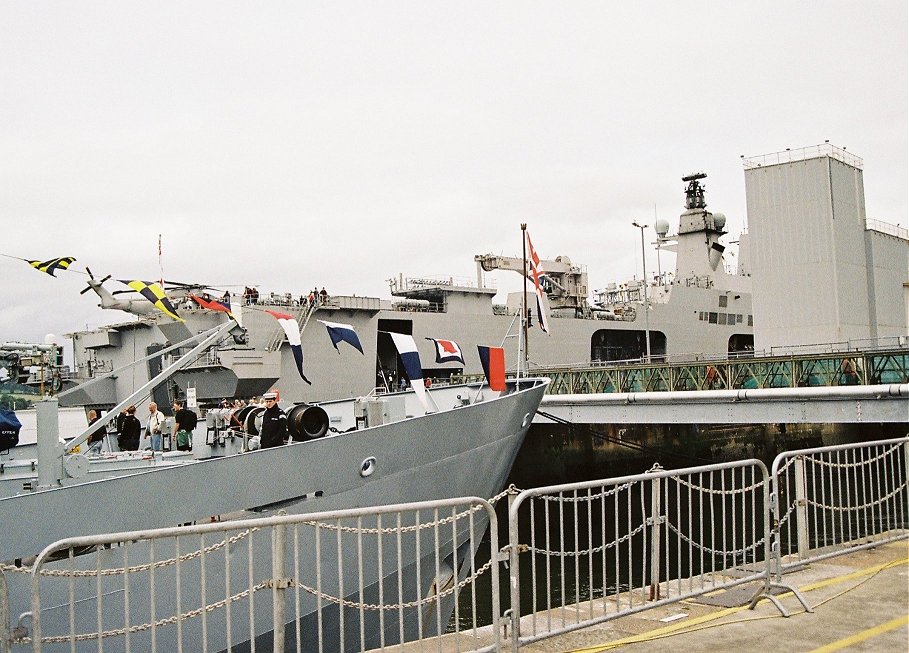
(315, 297)
(133, 436)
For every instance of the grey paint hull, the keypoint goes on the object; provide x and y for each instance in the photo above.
(465, 451)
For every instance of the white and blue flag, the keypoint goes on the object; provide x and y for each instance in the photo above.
(410, 357)
(342, 332)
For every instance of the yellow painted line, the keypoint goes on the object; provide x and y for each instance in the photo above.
(855, 574)
(863, 635)
(687, 623)
(665, 630)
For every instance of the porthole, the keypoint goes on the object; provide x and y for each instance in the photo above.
(367, 467)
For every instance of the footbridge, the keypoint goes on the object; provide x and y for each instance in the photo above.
(836, 385)
(815, 405)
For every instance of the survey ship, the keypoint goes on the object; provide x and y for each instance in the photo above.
(370, 451)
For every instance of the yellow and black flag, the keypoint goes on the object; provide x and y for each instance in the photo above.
(155, 294)
(52, 265)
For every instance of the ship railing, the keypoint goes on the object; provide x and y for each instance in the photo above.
(803, 154)
(405, 284)
(831, 500)
(208, 358)
(418, 307)
(341, 580)
(887, 228)
(851, 345)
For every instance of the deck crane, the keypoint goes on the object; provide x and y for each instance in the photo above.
(564, 283)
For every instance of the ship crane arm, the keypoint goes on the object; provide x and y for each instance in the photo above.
(569, 282)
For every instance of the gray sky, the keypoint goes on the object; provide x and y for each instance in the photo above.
(290, 144)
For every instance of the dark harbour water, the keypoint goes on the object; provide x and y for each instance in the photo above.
(557, 454)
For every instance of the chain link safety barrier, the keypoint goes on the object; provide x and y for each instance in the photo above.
(584, 553)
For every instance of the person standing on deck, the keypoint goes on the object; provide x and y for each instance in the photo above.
(130, 431)
(274, 423)
(153, 426)
(96, 439)
(185, 422)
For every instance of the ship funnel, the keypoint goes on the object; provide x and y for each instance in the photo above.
(715, 255)
(307, 422)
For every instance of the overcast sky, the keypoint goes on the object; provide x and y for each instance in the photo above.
(292, 144)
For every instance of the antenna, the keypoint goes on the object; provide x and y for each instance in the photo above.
(160, 264)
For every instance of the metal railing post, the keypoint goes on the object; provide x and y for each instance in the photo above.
(801, 508)
(514, 577)
(279, 584)
(4, 616)
(655, 520)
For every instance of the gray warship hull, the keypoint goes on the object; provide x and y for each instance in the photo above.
(465, 449)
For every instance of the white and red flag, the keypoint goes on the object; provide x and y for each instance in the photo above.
(534, 261)
(292, 330)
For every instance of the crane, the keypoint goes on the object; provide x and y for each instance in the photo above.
(564, 283)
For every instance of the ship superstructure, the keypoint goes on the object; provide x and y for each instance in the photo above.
(700, 310)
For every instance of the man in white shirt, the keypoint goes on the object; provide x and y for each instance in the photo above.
(153, 426)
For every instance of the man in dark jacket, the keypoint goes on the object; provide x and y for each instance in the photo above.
(130, 430)
(184, 420)
(274, 423)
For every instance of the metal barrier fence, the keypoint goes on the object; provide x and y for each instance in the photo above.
(348, 580)
(831, 500)
(628, 544)
(580, 554)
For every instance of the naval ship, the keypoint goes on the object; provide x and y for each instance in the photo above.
(701, 309)
(399, 447)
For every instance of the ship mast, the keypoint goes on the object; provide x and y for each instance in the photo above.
(524, 363)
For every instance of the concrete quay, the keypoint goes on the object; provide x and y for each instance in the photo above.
(860, 602)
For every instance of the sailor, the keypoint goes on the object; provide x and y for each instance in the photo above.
(274, 422)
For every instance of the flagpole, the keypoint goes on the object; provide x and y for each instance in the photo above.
(160, 263)
(524, 296)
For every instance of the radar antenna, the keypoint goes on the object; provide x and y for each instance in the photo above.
(694, 193)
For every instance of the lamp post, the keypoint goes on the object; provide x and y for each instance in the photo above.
(646, 311)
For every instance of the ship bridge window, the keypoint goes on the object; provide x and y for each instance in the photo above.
(712, 318)
(724, 301)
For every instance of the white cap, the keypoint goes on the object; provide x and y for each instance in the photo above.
(270, 395)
